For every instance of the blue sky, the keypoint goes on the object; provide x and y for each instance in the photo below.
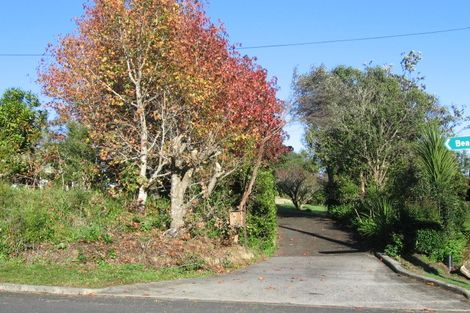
(27, 26)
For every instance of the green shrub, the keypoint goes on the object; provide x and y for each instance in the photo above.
(343, 212)
(413, 219)
(318, 198)
(348, 191)
(376, 219)
(455, 247)
(438, 245)
(396, 246)
(261, 219)
(157, 215)
(25, 228)
(367, 227)
(440, 170)
(431, 243)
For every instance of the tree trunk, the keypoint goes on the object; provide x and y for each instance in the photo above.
(142, 197)
(213, 182)
(251, 184)
(179, 185)
(296, 203)
(144, 145)
(331, 195)
(363, 183)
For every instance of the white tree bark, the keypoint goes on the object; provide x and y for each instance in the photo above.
(179, 186)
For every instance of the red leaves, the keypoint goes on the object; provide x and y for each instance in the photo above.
(166, 58)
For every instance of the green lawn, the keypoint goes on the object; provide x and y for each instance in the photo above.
(421, 265)
(452, 281)
(286, 206)
(315, 208)
(79, 275)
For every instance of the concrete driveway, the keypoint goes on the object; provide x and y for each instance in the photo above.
(318, 265)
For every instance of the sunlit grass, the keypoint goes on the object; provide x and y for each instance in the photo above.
(80, 275)
(286, 206)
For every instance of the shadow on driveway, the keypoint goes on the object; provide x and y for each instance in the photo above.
(354, 247)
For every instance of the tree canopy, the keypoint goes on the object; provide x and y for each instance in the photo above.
(21, 126)
(359, 121)
(163, 95)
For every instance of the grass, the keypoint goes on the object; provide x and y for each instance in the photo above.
(79, 275)
(452, 281)
(315, 208)
(285, 206)
(30, 218)
(421, 265)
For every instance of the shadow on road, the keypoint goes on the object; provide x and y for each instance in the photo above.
(356, 248)
(343, 251)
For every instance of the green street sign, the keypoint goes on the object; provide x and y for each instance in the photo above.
(458, 143)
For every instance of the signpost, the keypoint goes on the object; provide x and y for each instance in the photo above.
(458, 143)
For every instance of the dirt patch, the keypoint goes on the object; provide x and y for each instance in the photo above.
(152, 249)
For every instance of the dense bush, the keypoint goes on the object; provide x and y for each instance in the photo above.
(455, 247)
(76, 160)
(438, 244)
(211, 217)
(347, 190)
(377, 219)
(29, 217)
(318, 198)
(261, 219)
(21, 128)
(367, 227)
(440, 171)
(25, 228)
(343, 212)
(396, 246)
(373, 215)
(430, 242)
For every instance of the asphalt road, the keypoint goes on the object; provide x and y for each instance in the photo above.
(13, 303)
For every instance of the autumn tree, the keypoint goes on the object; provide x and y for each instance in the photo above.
(114, 76)
(163, 93)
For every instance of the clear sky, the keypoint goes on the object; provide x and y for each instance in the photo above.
(27, 26)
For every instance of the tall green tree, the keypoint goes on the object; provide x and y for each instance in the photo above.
(21, 127)
(360, 123)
